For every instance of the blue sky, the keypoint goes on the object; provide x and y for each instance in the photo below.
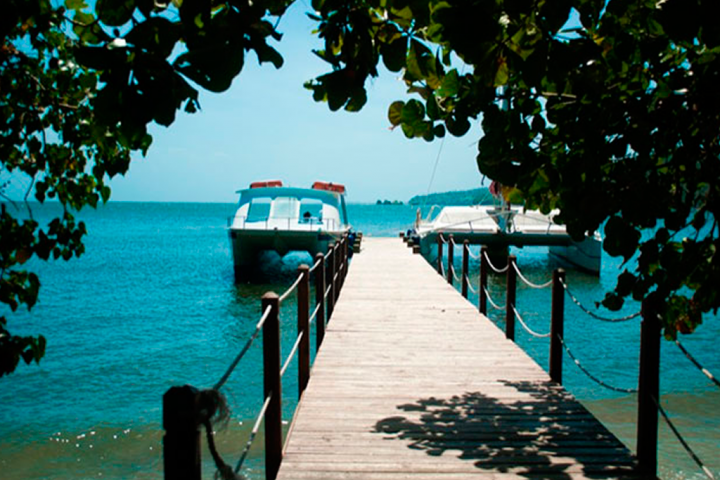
(267, 126)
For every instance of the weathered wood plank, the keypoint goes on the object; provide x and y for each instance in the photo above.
(413, 383)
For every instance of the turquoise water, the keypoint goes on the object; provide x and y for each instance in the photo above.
(153, 304)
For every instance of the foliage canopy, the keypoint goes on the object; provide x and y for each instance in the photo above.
(607, 110)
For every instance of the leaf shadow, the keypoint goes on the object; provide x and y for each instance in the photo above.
(529, 429)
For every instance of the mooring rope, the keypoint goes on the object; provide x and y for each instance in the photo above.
(253, 433)
(682, 441)
(528, 329)
(493, 267)
(595, 315)
(292, 353)
(705, 371)
(590, 375)
(492, 304)
(291, 288)
(244, 350)
(528, 282)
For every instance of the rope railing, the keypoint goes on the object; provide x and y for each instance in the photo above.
(493, 267)
(186, 409)
(595, 315)
(313, 315)
(442, 238)
(593, 377)
(253, 434)
(473, 256)
(317, 263)
(248, 344)
(290, 289)
(697, 364)
(292, 353)
(455, 275)
(528, 282)
(469, 284)
(682, 441)
(528, 329)
(492, 303)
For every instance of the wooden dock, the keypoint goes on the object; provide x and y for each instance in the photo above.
(411, 382)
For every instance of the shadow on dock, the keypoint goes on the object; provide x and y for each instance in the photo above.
(530, 429)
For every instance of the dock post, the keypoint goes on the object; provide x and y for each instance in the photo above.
(346, 258)
(483, 280)
(272, 385)
(320, 299)
(557, 328)
(451, 255)
(510, 299)
(337, 261)
(330, 278)
(648, 391)
(439, 253)
(465, 267)
(181, 442)
(303, 304)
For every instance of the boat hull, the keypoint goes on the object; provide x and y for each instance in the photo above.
(247, 245)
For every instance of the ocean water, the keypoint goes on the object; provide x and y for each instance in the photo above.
(153, 304)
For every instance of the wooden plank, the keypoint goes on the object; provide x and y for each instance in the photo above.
(411, 382)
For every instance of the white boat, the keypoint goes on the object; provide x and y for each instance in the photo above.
(499, 227)
(273, 217)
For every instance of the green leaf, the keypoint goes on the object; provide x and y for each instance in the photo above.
(395, 113)
(621, 239)
(450, 85)
(115, 13)
(394, 54)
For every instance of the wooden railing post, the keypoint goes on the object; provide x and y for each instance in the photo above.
(557, 328)
(510, 299)
(181, 443)
(336, 276)
(465, 267)
(272, 385)
(648, 391)
(346, 259)
(483, 280)
(439, 253)
(330, 280)
(320, 299)
(303, 304)
(451, 254)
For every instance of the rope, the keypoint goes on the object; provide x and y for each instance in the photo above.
(319, 261)
(528, 282)
(291, 354)
(591, 376)
(469, 284)
(290, 289)
(492, 304)
(697, 364)
(327, 291)
(224, 470)
(528, 329)
(682, 441)
(593, 314)
(442, 238)
(472, 255)
(442, 269)
(253, 433)
(493, 267)
(244, 350)
(457, 277)
(314, 314)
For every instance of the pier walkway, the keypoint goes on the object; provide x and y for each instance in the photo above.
(411, 382)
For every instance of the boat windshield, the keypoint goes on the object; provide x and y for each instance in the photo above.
(285, 207)
(310, 210)
(259, 210)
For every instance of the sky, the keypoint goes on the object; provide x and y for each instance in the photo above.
(267, 126)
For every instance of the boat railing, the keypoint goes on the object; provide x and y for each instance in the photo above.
(275, 222)
(186, 409)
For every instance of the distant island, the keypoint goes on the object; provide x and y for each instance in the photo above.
(388, 202)
(476, 196)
